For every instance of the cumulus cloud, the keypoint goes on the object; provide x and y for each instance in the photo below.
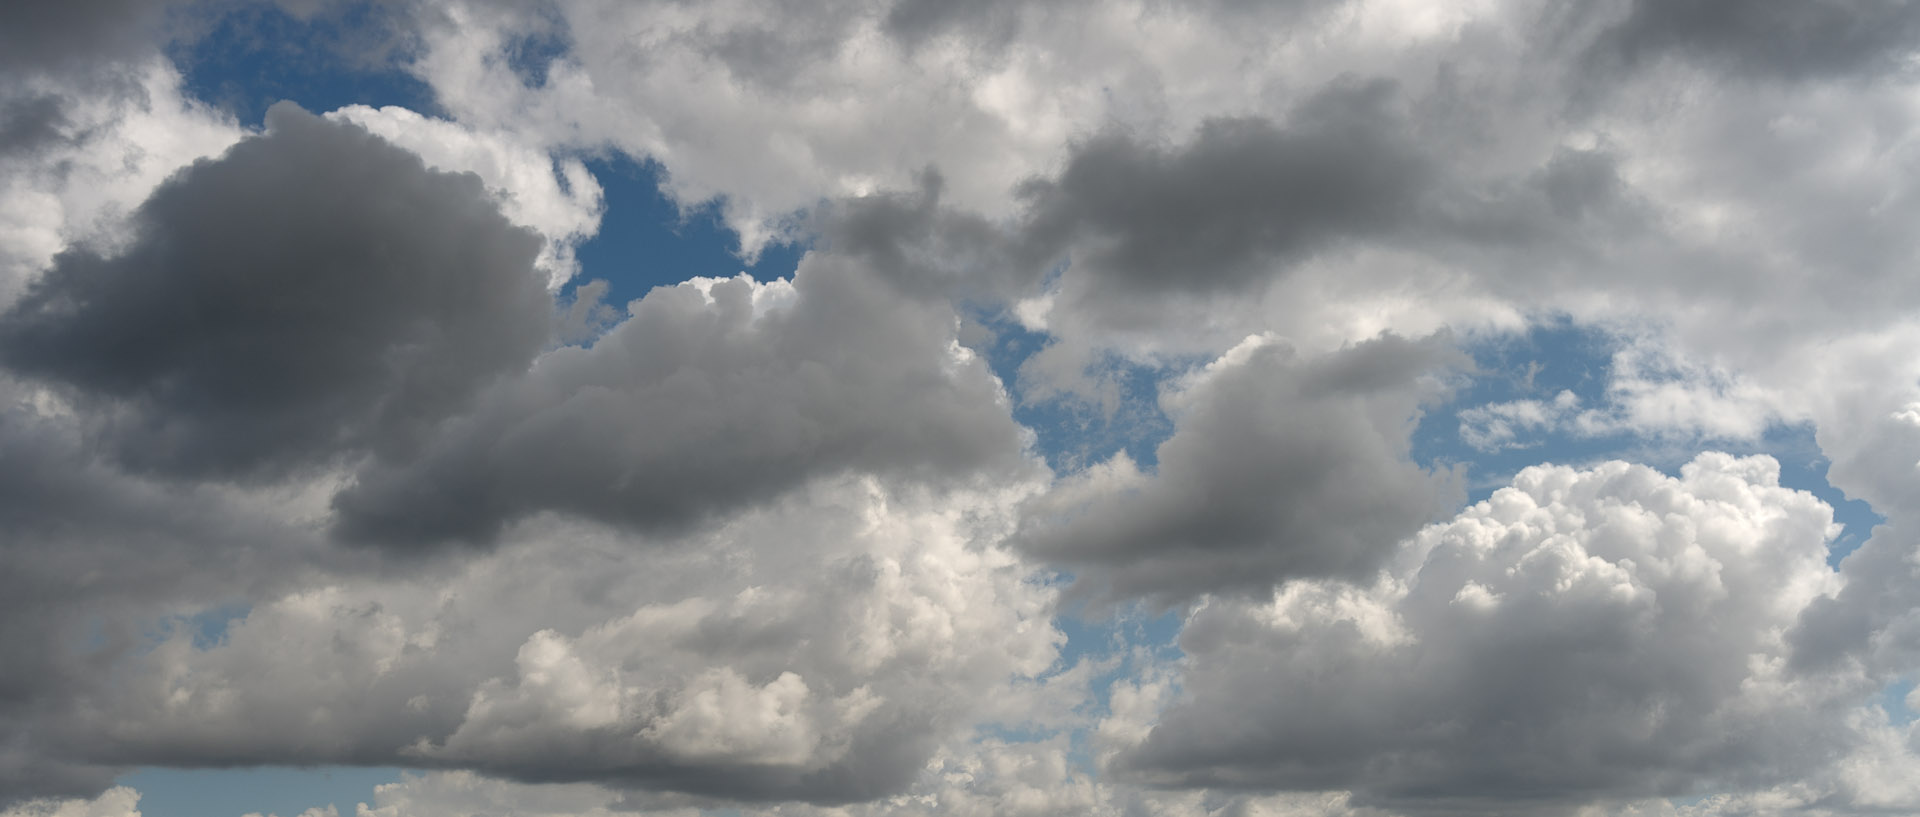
(83, 156)
(1281, 466)
(779, 545)
(1605, 634)
(1242, 196)
(774, 108)
(97, 560)
(818, 649)
(714, 394)
(313, 290)
(557, 198)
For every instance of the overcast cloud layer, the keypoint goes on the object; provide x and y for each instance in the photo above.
(1163, 416)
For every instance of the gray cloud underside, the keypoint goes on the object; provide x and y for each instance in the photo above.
(93, 557)
(805, 651)
(1280, 466)
(1790, 40)
(1244, 194)
(699, 403)
(314, 291)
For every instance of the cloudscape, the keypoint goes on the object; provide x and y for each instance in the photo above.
(904, 408)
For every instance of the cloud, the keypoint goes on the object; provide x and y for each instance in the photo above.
(557, 198)
(820, 649)
(1281, 466)
(1497, 426)
(29, 123)
(714, 395)
(1604, 634)
(1028, 779)
(1243, 197)
(451, 793)
(36, 37)
(313, 291)
(98, 560)
(1871, 779)
(89, 154)
(118, 801)
(1792, 41)
(774, 108)
(783, 541)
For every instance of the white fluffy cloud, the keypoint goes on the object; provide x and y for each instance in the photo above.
(1607, 634)
(104, 148)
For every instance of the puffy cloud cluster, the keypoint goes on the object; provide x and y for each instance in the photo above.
(1601, 634)
(303, 334)
(819, 649)
(312, 290)
(711, 395)
(77, 159)
(781, 545)
(557, 198)
(1281, 466)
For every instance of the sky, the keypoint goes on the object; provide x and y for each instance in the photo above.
(895, 408)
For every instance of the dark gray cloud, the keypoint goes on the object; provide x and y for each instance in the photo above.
(81, 34)
(1583, 636)
(311, 291)
(979, 22)
(702, 402)
(1220, 212)
(91, 561)
(1132, 226)
(1560, 208)
(1815, 38)
(1280, 466)
(928, 249)
(30, 122)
